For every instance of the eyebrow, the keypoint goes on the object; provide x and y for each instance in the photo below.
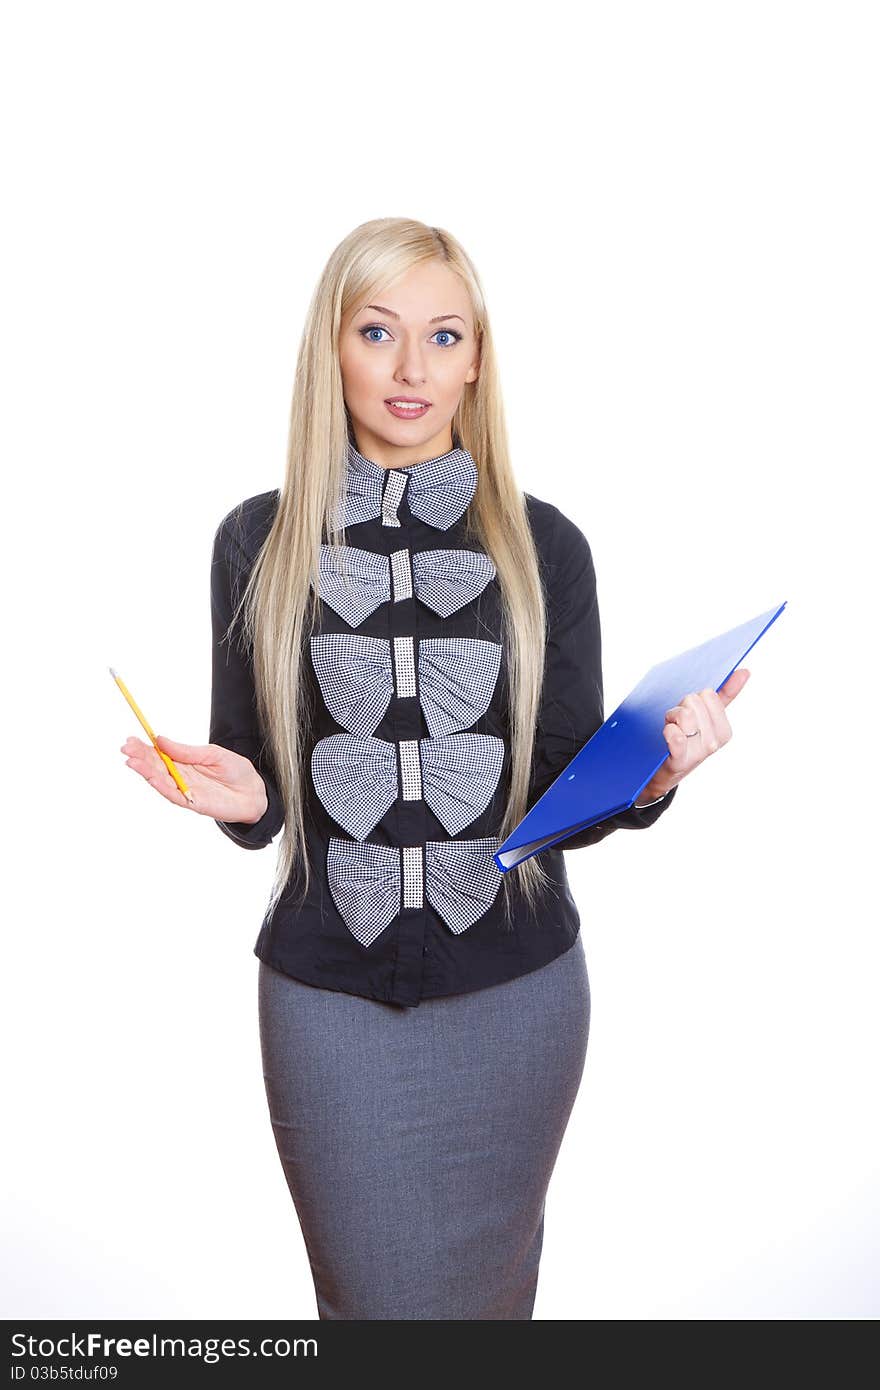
(380, 308)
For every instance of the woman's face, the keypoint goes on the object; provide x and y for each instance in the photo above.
(414, 339)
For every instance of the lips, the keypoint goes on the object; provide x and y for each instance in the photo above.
(407, 407)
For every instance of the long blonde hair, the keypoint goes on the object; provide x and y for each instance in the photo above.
(278, 601)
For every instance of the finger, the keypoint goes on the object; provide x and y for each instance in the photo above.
(143, 759)
(686, 717)
(681, 721)
(721, 730)
(186, 752)
(679, 745)
(700, 730)
(702, 722)
(160, 780)
(135, 747)
(733, 685)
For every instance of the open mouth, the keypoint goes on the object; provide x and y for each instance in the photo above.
(406, 409)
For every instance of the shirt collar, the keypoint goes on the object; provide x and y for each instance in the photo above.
(438, 490)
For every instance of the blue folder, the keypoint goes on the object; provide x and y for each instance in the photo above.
(611, 769)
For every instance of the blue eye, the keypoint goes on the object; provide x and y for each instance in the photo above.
(441, 333)
(448, 333)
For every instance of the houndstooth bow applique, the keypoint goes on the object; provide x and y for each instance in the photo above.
(370, 884)
(357, 778)
(437, 490)
(356, 582)
(358, 676)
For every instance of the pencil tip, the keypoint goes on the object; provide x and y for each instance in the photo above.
(112, 672)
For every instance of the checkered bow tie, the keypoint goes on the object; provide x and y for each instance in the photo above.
(453, 678)
(437, 490)
(356, 582)
(357, 778)
(371, 883)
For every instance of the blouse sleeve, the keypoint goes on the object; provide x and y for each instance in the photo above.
(572, 705)
(234, 721)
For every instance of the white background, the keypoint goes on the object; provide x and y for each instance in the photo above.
(673, 209)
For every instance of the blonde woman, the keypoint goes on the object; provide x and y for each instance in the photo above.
(406, 655)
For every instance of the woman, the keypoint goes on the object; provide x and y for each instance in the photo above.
(406, 656)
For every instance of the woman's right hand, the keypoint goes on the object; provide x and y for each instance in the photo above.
(224, 785)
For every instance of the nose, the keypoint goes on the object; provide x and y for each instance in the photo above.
(411, 367)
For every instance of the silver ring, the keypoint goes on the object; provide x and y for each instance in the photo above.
(693, 735)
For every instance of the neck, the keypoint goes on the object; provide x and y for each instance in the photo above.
(387, 455)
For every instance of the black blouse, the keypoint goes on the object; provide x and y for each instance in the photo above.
(409, 748)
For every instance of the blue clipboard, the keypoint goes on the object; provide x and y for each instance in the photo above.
(611, 769)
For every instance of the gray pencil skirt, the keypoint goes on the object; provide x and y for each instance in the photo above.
(418, 1143)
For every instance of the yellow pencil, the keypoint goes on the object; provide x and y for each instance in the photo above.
(171, 766)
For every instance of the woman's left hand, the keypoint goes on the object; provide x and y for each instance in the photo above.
(694, 730)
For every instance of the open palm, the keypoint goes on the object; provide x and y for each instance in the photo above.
(224, 785)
